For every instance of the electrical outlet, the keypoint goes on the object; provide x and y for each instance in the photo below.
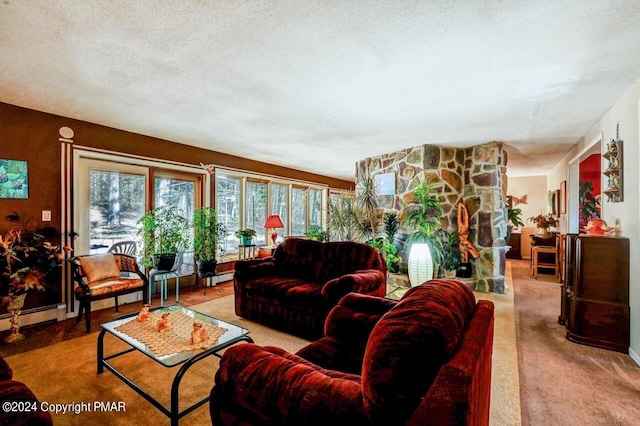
(46, 215)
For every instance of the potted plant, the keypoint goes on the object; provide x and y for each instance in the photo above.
(422, 214)
(388, 251)
(207, 233)
(514, 219)
(391, 226)
(450, 248)
(316, 233)
(544, 222)
(588, 204)
(26, 259)
(164, 232)
(340, 218)
(245, 236)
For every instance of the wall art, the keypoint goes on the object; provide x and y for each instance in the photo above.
(14, 179)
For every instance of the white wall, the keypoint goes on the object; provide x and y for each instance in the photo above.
(626, 112)
(535, 188)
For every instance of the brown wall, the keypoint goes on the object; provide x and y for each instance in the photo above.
(33, 136)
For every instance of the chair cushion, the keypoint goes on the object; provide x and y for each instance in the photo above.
(111, 285)
(100, 267)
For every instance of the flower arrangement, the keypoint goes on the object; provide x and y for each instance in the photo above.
(544, 221)
(25, 260)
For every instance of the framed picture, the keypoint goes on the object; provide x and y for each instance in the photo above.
(385, 183)
(563, 197)
(14, 179)
(555, 202)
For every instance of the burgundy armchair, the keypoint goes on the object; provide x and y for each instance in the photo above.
(17, 396)
(425, 360)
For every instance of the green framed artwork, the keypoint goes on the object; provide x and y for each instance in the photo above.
(14, 179)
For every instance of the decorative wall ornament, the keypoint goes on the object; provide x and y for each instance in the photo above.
(466, 247)
(613, 172)
(210, 168)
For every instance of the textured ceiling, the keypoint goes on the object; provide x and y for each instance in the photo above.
(319, 85)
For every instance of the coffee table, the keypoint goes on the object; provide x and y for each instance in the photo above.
(187, 358)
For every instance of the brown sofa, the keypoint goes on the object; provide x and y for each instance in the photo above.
(19, 405)
(425, 360)
(296, 288)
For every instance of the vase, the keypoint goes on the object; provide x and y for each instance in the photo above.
(14, 306)
(544, 232)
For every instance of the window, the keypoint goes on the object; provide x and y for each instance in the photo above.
(228, 208)
(256, 215)
(246, 200)
(116, 203)
(315, 207)
(280, 206)
(183, 192)
(298, 211)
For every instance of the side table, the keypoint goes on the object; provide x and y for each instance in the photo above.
(246, 251)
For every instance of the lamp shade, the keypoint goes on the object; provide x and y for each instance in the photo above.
(274, 221)
(420, 264)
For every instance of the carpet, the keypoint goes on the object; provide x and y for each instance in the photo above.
(565, 383)
(65, 372)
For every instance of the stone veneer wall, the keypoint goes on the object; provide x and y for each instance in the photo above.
(475, 176)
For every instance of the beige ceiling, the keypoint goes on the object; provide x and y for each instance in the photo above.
(319, 85)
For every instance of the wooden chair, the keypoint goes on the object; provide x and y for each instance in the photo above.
(100, 276)
(541, 251)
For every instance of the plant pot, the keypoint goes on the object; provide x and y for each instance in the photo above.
(207, 268)
(450, 273)
(164, 261)
(464, 270)
(246, 241)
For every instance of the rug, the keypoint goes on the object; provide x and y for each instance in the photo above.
(64, 374)
(565, 383)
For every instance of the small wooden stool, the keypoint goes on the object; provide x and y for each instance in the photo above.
(536, 251)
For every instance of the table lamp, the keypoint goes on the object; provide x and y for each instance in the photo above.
(274, 222)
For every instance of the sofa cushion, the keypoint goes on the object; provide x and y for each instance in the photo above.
(110, 285)
(99, 267)
(271, 383)
(409, 344)
(297, 258)
(344, 257)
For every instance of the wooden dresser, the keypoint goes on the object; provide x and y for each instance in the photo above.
(595, 302)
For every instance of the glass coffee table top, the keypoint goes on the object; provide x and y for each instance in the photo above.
(233, 333)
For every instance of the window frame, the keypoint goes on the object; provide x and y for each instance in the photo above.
(246, 177)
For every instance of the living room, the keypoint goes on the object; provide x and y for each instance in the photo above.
(79, 107)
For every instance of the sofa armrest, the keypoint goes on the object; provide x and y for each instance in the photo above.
(355, 315)
(364, 281)
(281, 388)
(254, 268)
(347, 331)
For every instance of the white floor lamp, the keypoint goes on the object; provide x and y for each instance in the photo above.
(420, 264)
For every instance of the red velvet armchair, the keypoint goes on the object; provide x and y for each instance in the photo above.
(19, 405)
(296, 288)
(425, 360)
